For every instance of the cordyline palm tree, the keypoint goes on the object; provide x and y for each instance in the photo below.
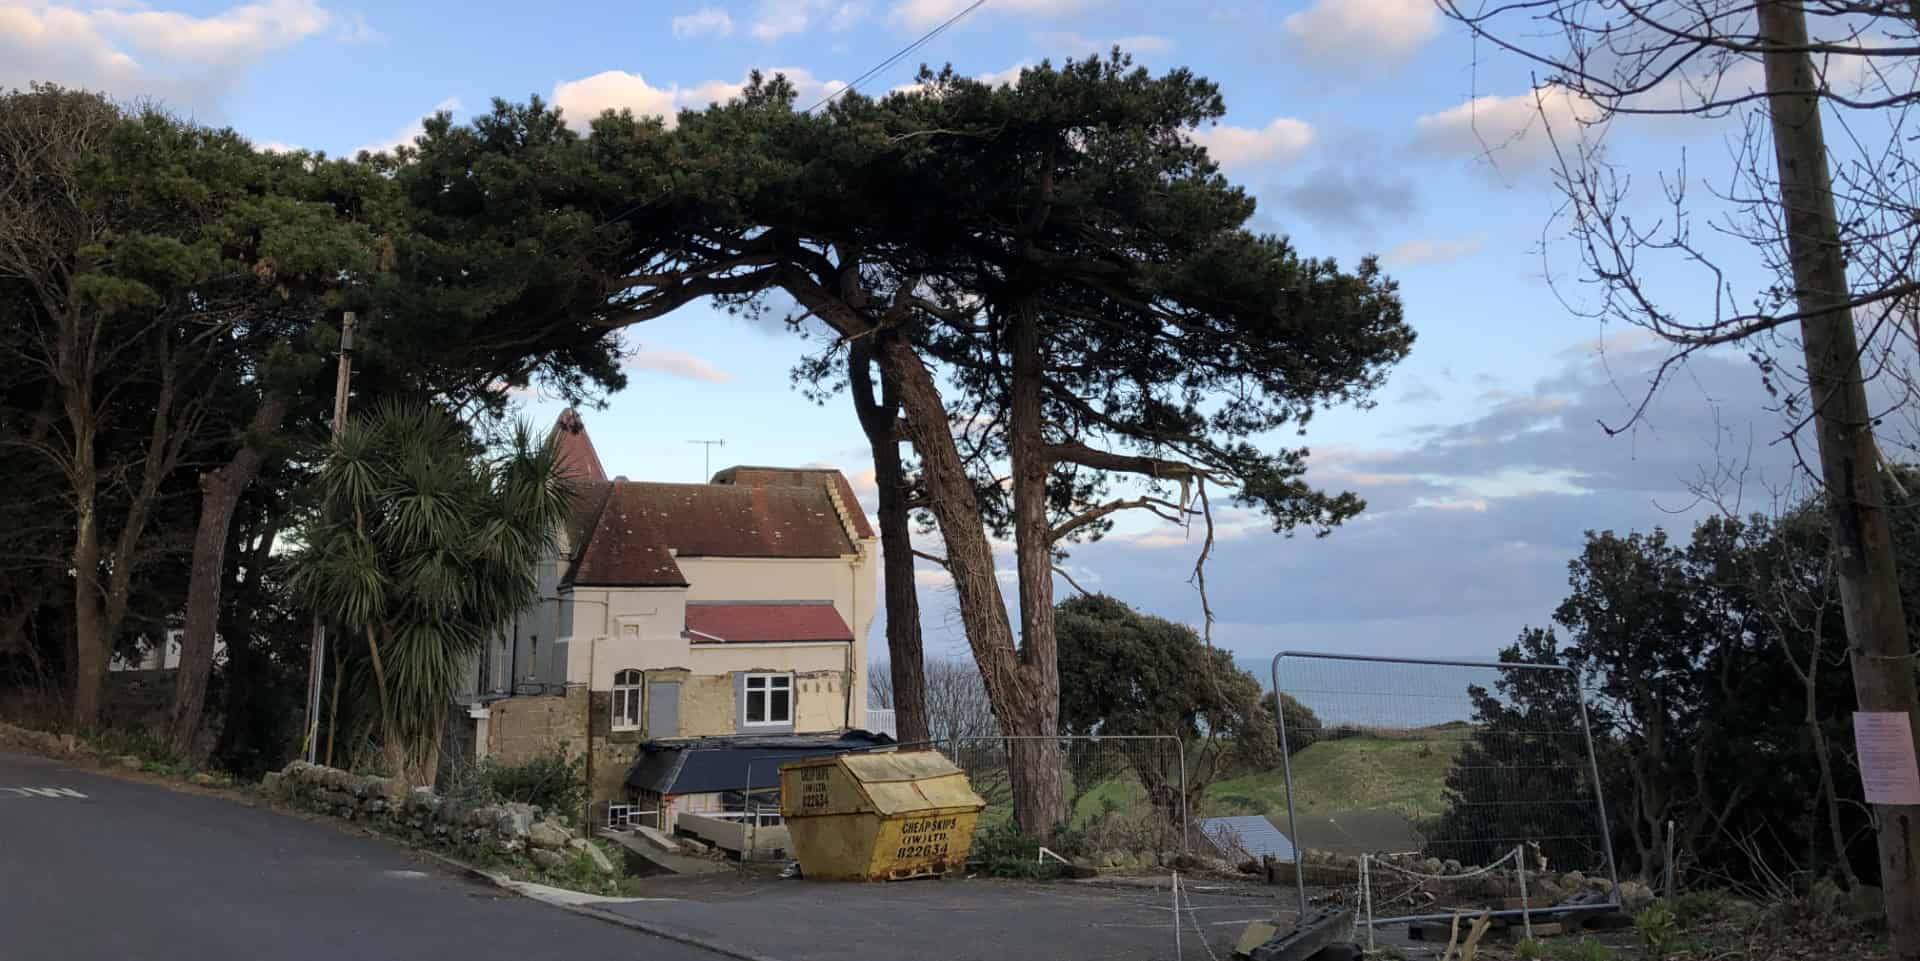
(424, 544)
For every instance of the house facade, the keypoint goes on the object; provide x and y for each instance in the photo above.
(671, 613)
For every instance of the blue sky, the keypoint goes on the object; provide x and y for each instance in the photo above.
(1361, 125)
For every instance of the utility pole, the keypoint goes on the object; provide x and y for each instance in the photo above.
(317, 657)
(709, 445)
(1877, 645)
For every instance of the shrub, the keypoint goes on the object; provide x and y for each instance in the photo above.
(553, 782)
(1585, 949)
(1303, 726)
(1003, 851)
(153, 750)
(1692, 907)
(1659, 928)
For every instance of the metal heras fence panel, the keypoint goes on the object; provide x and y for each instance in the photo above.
(1432, 785)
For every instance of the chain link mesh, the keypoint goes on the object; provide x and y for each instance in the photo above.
(1450, 777)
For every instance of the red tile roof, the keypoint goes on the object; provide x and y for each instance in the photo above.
(629, 544)
(738, 622)
(625, 534)
(578, 460)
(803, 477)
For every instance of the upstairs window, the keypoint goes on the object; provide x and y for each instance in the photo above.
(769, 700)
(626, 700)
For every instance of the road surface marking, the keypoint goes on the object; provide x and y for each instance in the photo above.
(52, 792)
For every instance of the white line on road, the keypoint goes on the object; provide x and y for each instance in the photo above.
(52, 792)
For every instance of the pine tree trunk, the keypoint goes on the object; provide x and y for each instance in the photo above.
(220, 492)
(1023, 702)
(1883, 675)
(1022, 707)
(1039, 798)
(906, 656)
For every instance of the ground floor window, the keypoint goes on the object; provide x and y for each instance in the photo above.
(769, 699)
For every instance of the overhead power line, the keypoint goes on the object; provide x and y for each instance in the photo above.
(909, 48)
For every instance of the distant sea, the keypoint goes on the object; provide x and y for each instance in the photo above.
(1375, 694)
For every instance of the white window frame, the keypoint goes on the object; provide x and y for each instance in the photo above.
(765, 691)
(625, 703)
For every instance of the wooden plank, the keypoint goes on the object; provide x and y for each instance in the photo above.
(1307, 937)
(1256, 934)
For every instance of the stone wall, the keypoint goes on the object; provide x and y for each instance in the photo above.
(39, 742)
(520, 728)
(510, 831)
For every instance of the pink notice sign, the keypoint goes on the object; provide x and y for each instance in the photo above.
(1887, 769)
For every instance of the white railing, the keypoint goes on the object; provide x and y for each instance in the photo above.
(880, 721)
(758, 818)
(620, 817)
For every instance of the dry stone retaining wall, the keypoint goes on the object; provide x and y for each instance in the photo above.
(508, 829)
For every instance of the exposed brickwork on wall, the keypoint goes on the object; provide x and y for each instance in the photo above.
(706, 706)
(821, 701)
(520, 728)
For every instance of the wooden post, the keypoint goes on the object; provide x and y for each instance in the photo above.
(317, 654)
(1881, 657)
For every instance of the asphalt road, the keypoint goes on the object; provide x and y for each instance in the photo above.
(138, 871)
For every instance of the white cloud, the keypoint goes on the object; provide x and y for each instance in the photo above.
(704, 22)
(1510, 127)
(809, 87)
(1007, 77)
(404, 137)
(1075, 44)
(1363, 33)
(588, 97)
(1239, 147)
(275, 146)
(847, 16)
(925, 14)
(676, 363)
(188, 62)
(992, 78)
(1477, 505)
(1415, 253)
(183, 37)
(354, 28)
(773, 19)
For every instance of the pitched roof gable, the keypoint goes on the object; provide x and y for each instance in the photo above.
(643, 525)
(854, 514)
(578, 460)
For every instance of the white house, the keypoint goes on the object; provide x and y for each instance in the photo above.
(734, 608)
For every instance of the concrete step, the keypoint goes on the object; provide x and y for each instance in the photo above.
(645, 858)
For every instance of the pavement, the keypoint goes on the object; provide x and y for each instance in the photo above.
(950, 920)
(97, 867)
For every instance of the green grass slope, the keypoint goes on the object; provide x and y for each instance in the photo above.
(1404, 775)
